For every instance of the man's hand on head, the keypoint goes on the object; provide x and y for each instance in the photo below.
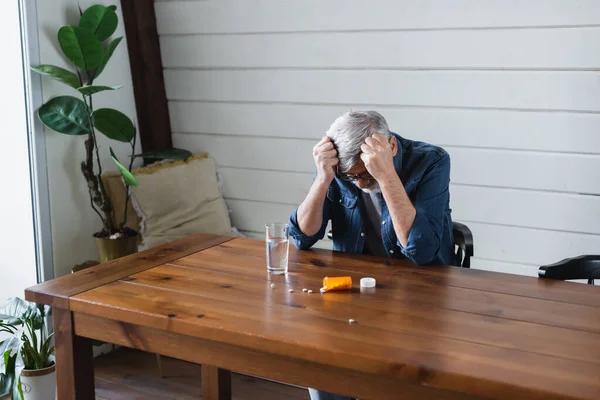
(378, 158)
(326, 160)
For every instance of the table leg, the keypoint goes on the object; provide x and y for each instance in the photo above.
(74, 360)
(216, 383)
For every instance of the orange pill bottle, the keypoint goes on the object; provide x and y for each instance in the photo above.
(336, 283)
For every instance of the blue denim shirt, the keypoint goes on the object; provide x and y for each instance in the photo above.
(424, 170)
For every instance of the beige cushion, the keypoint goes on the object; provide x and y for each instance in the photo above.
(175, 199)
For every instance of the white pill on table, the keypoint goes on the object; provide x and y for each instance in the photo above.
(309, 291)
(351, 321)
(305, 290)
(291, 290)
(272, 285)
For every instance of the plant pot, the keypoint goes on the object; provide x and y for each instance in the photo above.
(111, 249)
(39, 384)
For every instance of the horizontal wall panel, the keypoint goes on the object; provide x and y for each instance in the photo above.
(566, 212)
(224, 16)
(265, 186)
(252, 215)
(504, 244)
(528, 245)
(550, 90)
(496, 49)
(569, 132)
(293, 155)
(575, 173)
(504, 267)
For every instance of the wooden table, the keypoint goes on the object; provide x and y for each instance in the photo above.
(423, 333)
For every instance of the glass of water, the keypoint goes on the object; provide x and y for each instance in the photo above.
(277, 248)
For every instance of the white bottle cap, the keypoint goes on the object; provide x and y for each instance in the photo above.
(367, 282)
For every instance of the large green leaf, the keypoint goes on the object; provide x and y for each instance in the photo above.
(65, 114)
(15, 307)
(114, 124)
(45, 310)
(17, 393)
(17, 388)
(58, 73)
(8, 321)
(81, 46)
(10, 345)
(33, 316)
(7, 374)
(88, 90)
(100, 20)
(127, 176)
(107, 54)
(47, 350)
(168, 154)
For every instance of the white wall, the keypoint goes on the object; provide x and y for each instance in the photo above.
(73, 220)
(17, 244)
(510, 88)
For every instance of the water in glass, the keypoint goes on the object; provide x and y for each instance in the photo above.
(277, 248)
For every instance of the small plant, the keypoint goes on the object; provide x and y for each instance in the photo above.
(88, 47)
(29, 345)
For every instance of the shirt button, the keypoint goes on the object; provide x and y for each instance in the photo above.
(383, 223)
(340, 200)
(362, 234)
(391, 251)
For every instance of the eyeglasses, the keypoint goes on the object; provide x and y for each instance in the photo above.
(365, 176)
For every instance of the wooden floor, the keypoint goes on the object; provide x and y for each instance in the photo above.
(133, 375)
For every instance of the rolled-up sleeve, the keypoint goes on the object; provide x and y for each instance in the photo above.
(299, 239)
(431, 202)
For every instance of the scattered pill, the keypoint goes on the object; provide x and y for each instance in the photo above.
(272, 285)
(351, 321)
(305, 290)
(323, 289)
(310, 291)
(291, 290)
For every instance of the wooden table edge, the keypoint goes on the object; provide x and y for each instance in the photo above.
(223, 356)
(74, 355)
(56, 292)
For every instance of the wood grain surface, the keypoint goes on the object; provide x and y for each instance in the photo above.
(216, 383)
(257, 363)
(56, 292)
(74, 360)
(441, 329)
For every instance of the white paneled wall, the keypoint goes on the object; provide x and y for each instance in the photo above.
(511, 89)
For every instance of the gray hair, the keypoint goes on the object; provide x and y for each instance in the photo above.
(349, 131)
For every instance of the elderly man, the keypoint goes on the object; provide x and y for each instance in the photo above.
(385, 196)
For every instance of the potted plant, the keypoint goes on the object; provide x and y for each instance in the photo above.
(89, 49)
(27, 369)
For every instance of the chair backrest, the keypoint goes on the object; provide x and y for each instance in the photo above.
(463, 239)
(582, 267)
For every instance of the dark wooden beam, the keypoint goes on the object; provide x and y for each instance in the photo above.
(154, 125)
